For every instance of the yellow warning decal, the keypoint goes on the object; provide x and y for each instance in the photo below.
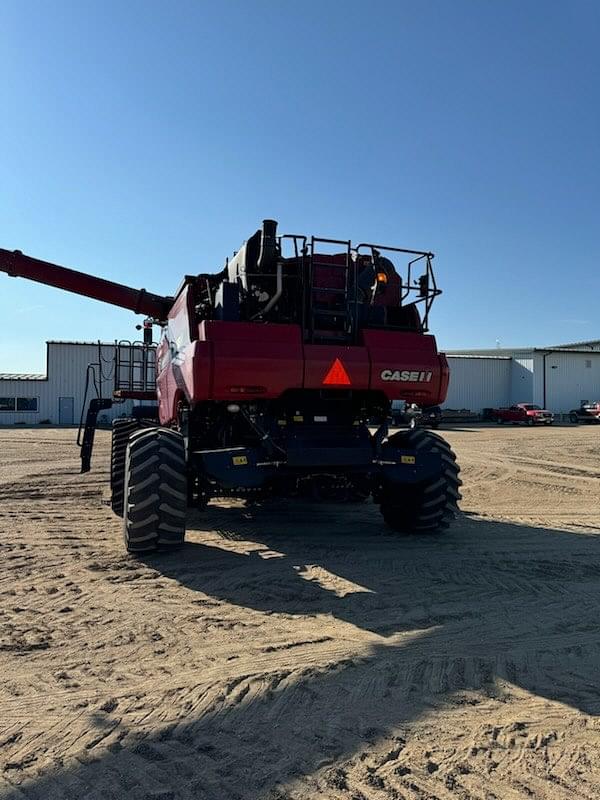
(239, 461)
(408, 460)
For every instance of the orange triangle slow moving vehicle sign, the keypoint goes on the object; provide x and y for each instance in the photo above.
(337, 375)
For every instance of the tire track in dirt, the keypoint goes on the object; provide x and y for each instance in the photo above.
(296, 652)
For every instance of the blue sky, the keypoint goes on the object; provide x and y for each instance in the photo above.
(144, 140)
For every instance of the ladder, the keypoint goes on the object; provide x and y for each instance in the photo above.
(331, 312)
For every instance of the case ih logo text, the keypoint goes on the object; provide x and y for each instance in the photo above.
(410, 376)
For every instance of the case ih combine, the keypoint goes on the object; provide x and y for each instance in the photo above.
(269, 376)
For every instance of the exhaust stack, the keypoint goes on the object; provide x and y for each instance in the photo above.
(268, 246)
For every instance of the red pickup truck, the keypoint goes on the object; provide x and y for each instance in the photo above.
(523, 412)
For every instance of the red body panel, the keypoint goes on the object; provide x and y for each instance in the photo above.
(444, 377)
(240, 360)
(252, 357)
(407, 366)
(187, 377)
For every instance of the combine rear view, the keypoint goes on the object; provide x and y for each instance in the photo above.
(268, 376)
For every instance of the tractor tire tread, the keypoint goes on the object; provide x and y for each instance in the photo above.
(432, 506)
(156, 491)
(122, 430)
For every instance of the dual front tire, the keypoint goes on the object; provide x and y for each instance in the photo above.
(122, 429)
(149, 486)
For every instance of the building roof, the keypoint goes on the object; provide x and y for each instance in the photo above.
(588, 346)
(494, 357)
(492, 352)
(21, 376)
(590, 343)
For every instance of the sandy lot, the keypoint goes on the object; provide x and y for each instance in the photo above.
(297, 652)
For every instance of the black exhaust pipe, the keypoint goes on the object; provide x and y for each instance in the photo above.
(268, 246)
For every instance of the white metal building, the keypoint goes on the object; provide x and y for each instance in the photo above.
(57, 397)
(559, 378)
(478, 382)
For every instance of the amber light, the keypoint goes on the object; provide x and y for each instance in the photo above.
(382, 277)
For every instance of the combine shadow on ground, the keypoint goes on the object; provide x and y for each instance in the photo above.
(489, 600)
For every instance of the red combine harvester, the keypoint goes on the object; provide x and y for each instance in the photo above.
(269, 375)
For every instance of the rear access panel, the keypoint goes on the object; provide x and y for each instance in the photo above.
(253, 360)
(406, 366)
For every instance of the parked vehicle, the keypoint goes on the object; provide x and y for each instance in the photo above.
(525, 413)
(416, 417)
(587, 412)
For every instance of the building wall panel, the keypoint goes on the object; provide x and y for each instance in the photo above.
(570, 378)
(521, 381)
(477, 383)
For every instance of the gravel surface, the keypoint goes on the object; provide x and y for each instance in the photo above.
(296, 652)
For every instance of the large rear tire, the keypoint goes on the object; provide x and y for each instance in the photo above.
(431, 505)
(121, 431)
(155, 491)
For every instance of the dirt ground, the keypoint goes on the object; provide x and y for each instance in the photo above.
(296, 652)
